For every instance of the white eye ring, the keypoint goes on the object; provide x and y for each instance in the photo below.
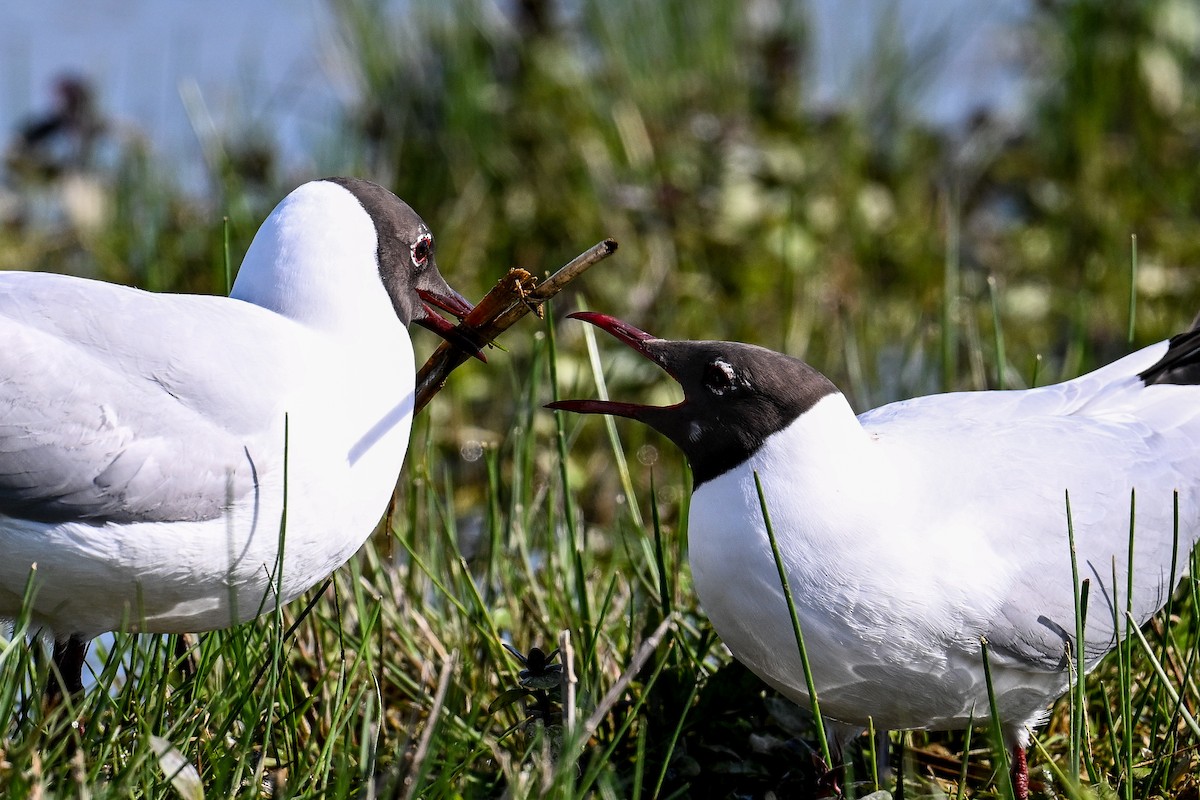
(421, 249)
(727, 381)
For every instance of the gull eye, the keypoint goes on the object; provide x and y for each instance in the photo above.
(421, 250)
(719, 377)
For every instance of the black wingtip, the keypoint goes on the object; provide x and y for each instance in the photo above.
(1180, 365)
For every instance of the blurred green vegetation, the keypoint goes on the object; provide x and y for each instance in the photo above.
(859, 237)
(682, 129)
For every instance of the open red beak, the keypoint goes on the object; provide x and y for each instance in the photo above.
(454, 304)
(633, 337)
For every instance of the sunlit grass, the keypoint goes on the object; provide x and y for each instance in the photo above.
(381, 680)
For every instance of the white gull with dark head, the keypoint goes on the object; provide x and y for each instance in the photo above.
(913, 533)
(149, 443)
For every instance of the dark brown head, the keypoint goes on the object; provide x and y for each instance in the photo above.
(406, 253)
(734, 395)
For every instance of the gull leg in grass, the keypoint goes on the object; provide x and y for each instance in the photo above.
(1020, 773)
(66, 671)
(184, 657)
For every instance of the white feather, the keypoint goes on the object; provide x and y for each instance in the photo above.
(916, 530)
(197, 393)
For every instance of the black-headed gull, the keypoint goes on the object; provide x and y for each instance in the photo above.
(145, 438)
(913, 532)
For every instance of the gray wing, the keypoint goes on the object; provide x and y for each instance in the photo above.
(114, 407)
(1004, 462)
(1115, 471)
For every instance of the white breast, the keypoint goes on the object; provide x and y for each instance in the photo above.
(906, 545)
(348, 416)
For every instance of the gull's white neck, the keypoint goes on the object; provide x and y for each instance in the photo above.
(817, 467)
(314, 261)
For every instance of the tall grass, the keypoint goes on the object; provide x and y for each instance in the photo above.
(390, 679)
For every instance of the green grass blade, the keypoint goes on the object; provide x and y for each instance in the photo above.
(1077, 694)
(1133, 268)
(1162, 675)
(997, 331)
(813, 700)
(951, 269)
(1000, 744)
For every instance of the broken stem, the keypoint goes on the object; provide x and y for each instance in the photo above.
(514, 296)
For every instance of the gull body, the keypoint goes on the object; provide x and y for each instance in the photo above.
(167, 461)
(914, 532)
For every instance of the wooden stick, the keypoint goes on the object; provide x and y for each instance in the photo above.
(514, 296)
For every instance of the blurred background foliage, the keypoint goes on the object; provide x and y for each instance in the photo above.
(683, 130)
(858, 236)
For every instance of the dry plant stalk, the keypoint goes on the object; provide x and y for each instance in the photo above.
(514, 296)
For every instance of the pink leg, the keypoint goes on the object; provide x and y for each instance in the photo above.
(1020, 774)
